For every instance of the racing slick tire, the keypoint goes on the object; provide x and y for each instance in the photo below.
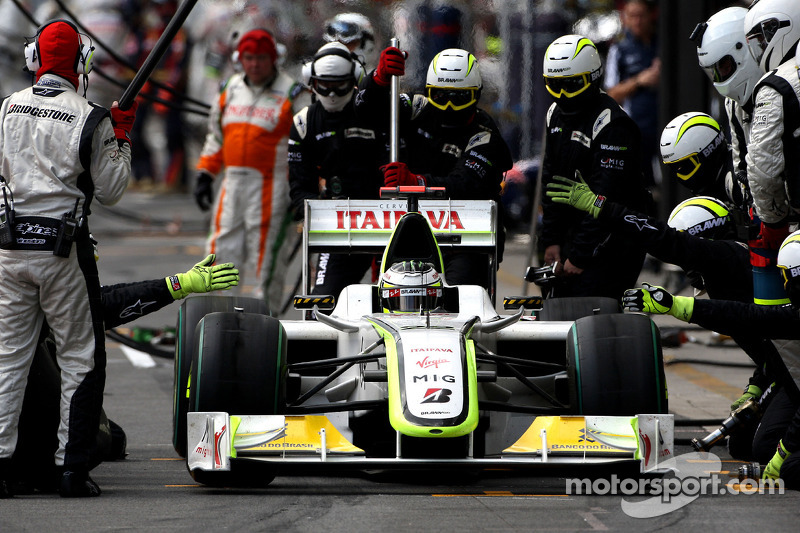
(577, 307)
(191, 311)
(239, 367)
(616, 366)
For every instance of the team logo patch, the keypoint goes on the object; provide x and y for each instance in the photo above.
(582, 138)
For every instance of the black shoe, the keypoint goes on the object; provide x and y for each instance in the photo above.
(78, 485)
(5, 489)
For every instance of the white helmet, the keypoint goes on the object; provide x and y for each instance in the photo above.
(773, 29)
(689, 141)
(789, 265)
(333, 74)
(410, 286)
(349, 27)
(454, 80)
(723, 54)
(571, 65)
(702, 216)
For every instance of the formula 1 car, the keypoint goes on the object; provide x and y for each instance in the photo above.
(450, 384)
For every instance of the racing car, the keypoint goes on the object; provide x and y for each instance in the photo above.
(412, 372)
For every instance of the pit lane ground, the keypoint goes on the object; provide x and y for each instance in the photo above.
(152, 491)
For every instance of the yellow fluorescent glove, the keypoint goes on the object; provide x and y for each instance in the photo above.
(773, 468)
(751, 391)
(654, 299)
(575, 193)
(203, 277)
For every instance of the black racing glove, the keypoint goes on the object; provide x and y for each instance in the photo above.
(204, 190)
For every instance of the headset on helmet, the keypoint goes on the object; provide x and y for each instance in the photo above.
(454, 80)
(702, 216)
(789, 265)
(692, 149)
(772, 28)
(332, 75)
(83, 59)
(324, 65)
(571, 65)
(410, 286)
(723, 54)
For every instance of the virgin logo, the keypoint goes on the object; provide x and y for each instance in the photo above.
(428, 362)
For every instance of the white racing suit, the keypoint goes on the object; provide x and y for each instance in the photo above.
(248, 136)
(57, 152)
(773, 145)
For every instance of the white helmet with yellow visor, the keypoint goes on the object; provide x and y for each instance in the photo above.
(689, 141)
(454, 80)
(571, 65)
(789, 265)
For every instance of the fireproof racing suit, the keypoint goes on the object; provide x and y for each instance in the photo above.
(772, 154)
(700, 258)
(122, 303)
(248, 132)
(469, 161)
(57, 152)
(345, 154)
(781, 421)
(601, 142)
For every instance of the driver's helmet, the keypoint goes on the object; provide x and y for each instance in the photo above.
(789, 265)
(703, 216)
(772, 28)
(724, 57)
(693, 150)
(410, 286)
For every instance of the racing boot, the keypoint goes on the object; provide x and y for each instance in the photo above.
(78, 484)
(5, 479)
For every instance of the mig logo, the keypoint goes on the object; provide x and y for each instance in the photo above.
(437, 396)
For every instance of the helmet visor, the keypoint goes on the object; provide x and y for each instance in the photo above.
(722, 70)
(325, 88)
(455, 99)
(568, 86)
(410, 299)
(685, 167)
(760, 35)
(343, 31)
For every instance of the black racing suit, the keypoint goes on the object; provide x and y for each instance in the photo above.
(38, 424)
(601, 142)
(469, 160)
(696, 255)
(781, 421)
(344, 153)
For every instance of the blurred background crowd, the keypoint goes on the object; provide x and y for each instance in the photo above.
(508, 37)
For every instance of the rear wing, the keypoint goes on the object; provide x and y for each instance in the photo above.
(365, 226)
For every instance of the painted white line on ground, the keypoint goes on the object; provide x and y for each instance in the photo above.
(137, 358)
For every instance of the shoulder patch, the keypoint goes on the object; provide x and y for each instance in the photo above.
(301, 122)
(603, 120)
(478, 139)
(417, 105)
(550, 113)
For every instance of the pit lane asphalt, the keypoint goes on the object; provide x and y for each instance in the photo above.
(152, 491)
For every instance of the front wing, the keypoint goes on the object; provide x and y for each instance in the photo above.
(294, 442)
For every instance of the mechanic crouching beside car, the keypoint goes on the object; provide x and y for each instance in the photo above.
(776, 445)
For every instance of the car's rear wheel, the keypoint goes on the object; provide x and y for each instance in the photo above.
(192, 310)
(577, 307)
(239, 367)
(616, 366)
